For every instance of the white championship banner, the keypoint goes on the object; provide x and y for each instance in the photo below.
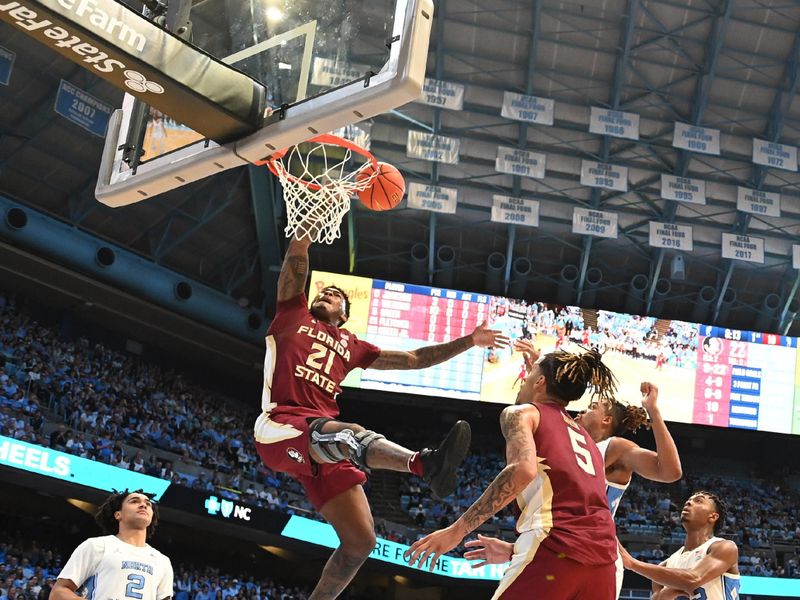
(327, 72)
(696, 139)
(743, 247)
(515, 211)
(683, 189)
(520, 162)
(671, 235)
(586, 221)
(442, 94)
(531, 109)
(434, 198)
(772, 154)
(758, 202)
(436, 148)
(604, 175)
(614, 123)
(796, 256)
(360, 133)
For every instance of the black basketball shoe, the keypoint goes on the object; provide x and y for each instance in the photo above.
(440, 464)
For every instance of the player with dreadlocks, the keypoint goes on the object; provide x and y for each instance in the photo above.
(566, 546)
(606, 421)
(706, 566)
(119, 564)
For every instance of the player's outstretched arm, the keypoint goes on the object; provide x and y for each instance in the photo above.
(427, 356)
(489, 551)
(518, 424)
(663, 465)
(721, 557)
(294, 271)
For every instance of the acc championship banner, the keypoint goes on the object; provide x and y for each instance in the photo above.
(74, 469)
(520, 162)
(604, 175)
(328, 72)
(758, 202)
(6, 65)
(670, 235)
(683, 189)
(82, 108)
(436, 148)
(614, 123)
(515, 211)
(432, 197)
(586, 221)
(771, 154)
(442, 94)
(531, 109)
(743, 247)
(696, 139)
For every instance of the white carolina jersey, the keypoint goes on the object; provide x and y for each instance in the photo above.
(614, 491)
(725, 587)
(106, 568)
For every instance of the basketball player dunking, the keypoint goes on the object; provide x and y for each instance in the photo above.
(307, 357)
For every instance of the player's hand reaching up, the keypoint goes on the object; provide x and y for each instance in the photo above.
(649, 396)
(530, 353)
(488, 550)
(489, 338)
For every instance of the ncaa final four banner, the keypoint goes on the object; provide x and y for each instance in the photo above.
(133, 54)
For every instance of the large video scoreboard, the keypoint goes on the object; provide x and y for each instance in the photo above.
(707, 375)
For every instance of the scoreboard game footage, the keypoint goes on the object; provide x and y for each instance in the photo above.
(706, 375)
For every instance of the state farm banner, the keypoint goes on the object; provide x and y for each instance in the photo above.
(520, 162)
(435, 198)
(442, 94)
(683, 189)
(696, 139)
(531, 109)
(119, 45)
(436, 148)
(614, 123)
(604, 175)
(772, 154)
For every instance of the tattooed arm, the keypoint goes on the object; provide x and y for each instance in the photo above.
(518, 424)
(425, 357)
(292, 280)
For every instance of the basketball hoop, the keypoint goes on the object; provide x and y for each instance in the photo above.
(316, 185)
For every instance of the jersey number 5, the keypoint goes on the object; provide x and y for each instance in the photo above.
(582, 454)
(135, 586)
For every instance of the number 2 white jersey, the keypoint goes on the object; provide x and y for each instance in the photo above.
(106, 568)
(725, 587)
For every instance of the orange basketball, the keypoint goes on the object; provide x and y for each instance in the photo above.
(387, 188)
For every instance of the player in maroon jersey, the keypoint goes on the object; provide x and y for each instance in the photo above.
(566, 546)
(307, 357)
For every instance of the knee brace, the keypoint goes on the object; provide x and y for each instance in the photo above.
(342, 445)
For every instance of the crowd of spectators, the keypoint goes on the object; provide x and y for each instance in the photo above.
(85, 399)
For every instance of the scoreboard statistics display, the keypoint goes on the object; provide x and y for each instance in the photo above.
(706, 375)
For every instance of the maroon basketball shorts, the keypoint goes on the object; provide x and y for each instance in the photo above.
(538, 573)
(282, 442)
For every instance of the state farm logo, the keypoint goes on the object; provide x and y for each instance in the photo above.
(139, 83)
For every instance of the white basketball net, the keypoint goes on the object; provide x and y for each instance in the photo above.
(317, 203)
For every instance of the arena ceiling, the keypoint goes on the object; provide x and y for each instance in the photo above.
(732, 65)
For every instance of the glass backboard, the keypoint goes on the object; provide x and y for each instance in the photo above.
(325, 65)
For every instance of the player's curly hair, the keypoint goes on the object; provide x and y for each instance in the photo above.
(567, 375)
(719, 504)
(104, 517)
(625, 417)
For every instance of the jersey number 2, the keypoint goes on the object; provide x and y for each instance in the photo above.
(582, 454)
(135, 586)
